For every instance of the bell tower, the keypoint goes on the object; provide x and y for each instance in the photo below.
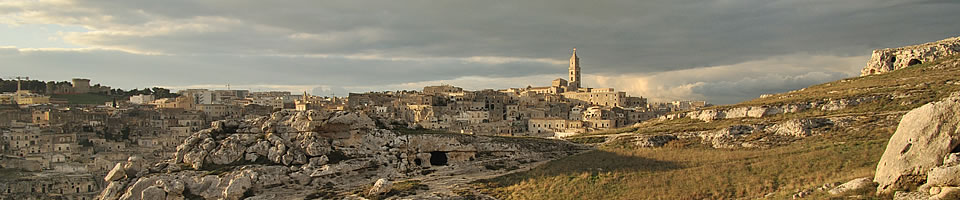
(574, 72)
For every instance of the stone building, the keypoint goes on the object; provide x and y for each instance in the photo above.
(76, 86)
(141, 99)
(441, 90)
(554, 125)
(600, 97)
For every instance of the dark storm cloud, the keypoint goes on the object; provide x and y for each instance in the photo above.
(358, 42)
(144, 70)
(616, 36)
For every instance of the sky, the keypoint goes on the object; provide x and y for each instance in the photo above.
(722, 51)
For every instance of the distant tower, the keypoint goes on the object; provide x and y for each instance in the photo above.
(574, 71)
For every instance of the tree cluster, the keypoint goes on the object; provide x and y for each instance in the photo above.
(157, 92)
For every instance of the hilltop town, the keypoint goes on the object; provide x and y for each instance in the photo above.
(565, 107)
(64, 136)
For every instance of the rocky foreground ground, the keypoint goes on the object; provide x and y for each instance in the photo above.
(308, 155)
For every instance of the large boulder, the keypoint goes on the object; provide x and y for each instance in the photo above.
(153, 193)
(944, 176)
(925, 136)
(382, 186)
(135, 166)
(726, 137)
(654, 140)
(116, 173)
(854, 185)
(236, 187)
(230, 150)
(799, 127)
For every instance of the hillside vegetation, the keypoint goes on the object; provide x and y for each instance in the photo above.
(90, 98)
(687, 168)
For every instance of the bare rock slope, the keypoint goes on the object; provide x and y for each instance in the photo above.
(304, 155)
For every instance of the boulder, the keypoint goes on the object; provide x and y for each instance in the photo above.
(654, 140)
(116, 173)
(230, 150)
(854, 185)
(153, 193)
(172, 186)
(135, 191)
(113, 190)
(706, 115)
(237, 186)
(951, 159)
(798, 127)
(726, 137)
(903, 195)
(925, 136)
(135, 166)
(944, 176)
(382, 186)
(353, 119)
(947, 193)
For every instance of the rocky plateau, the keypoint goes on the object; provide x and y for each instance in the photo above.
(310, 155)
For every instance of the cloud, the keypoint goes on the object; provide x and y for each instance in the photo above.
(725, 84)
(729, 84)
(616, 37)
(131, 70)
(6, 50)
(721, 51)
(295, 89)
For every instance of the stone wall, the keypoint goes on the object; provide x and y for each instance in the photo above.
(887, 60)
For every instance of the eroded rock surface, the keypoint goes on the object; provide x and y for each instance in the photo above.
(829, 104)
(887, 60)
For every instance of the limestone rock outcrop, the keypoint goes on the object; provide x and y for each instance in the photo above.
(923, 148)
(859, 184)
(887, 60)
(293, 155)
(116, 173)
(382, 186)
(653, 140)
(726, 137)
(829, 104)
(799, 127)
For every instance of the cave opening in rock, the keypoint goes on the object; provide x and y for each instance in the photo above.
(418, 162)
(438, 158)
(893, 59)
(956, 149)
(914, 62)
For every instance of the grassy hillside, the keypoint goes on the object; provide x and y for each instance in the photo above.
(687, 169)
